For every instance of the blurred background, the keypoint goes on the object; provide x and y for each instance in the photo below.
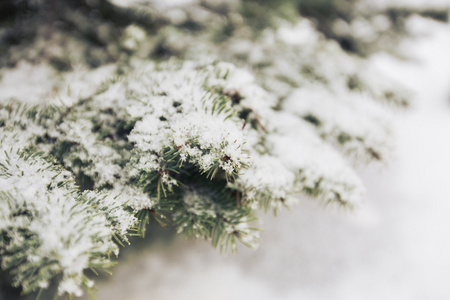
(396, 246)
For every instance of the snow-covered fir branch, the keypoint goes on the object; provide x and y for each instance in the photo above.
(196, 119)
(49, 228)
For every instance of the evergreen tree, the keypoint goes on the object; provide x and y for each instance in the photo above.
(194, 114)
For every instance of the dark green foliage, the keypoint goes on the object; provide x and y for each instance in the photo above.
(312, 119)
(211, 216)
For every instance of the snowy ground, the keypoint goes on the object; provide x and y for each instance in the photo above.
(396, 247)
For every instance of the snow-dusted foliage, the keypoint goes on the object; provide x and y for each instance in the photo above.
(48, 227)
(197, 124)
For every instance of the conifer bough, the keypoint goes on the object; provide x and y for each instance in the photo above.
(198, 118)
